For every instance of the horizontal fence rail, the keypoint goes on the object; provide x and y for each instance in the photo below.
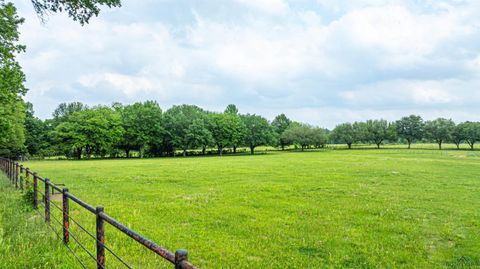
(23, 178)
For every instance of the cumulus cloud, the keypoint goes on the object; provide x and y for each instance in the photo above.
(319, 61)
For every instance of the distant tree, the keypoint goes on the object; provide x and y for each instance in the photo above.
(182, 132)
(64, 110)
(319, 137)
(410, 128)
(226, 129)
(258, 131)
(79, 10)
(300, 134)
(93, 130)
(377, 131)
(439, 130)
(36, 132)
(458, 136)
(231, 109)
(345, 133)
(471, 132)
(280, 124)
(142, 123)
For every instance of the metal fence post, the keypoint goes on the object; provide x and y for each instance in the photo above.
(181, 256)
(35, 191)
(21, 177)
(47, 200)
(17, 168)
(66, 222)
(100, 239)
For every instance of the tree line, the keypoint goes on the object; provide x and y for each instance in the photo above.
(77, 131)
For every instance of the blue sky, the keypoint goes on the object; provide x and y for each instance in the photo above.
(318, 61)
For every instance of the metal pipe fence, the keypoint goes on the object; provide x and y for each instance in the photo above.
(23, 178)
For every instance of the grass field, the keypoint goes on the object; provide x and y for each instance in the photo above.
(387, 208)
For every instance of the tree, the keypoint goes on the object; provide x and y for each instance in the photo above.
(319, 137)
(80, 11)
(231, 109)
(258, 131)
(458, 135)
(301, 134)
(344, 133)
(280, 124)
(12, 89)
(377, 131)
(94, 130)
(64, 110)
(226, 129)
(142, 123)
(471, 132)
(439, 130)
(37, 133)
(179, 124)
(410, 128)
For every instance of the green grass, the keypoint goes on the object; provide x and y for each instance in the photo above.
(25, 240)
(390, 208)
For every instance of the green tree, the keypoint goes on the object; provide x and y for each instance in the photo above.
(345, 133)
(410, 128)
(280, 124)
(37, 133)
(439, 130)
(300, 134)
(94, 130)
(319, 137)
(65, 110)
(142, 123)
(179, 124)
(227, 130)
(377, 131)
(471, 132)
(458, 136)
(12, 89)
(258, 131)
(79, 10)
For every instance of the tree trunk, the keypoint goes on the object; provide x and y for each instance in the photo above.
(440, 145)
(141, 152)
(472, 145)
(79, 153)
(252, 150)
(409, 143)
(349, 145)
(234, 149)
(203, 150)
(127, 152)
(458, 145)
(220, 151)
(303, 147)
(184, 152)
(283, 146)
(378, 145)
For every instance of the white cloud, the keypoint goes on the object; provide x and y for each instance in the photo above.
(277, 7)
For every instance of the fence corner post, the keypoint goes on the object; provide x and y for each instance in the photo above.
(181, 256)
(21, 177)
(35, 191)
(66, 221)
(100, 238)
(47, 200)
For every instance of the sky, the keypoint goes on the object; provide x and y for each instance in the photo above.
(321, 62)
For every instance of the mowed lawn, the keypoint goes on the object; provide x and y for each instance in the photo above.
(388, 208)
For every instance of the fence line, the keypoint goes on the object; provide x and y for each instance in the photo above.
(19, 176)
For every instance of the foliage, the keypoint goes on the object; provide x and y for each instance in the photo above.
(303, 135)
(410, 128)
(78, 10)
(345, 133)
(280, 124)
(439, 130)
(377, 131)
(471, 132)
(258, 131)
(227, 130)
(12, 108)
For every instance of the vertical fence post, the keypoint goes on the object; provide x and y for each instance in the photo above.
(66, 222)
(35, 191)
(17, 168)
(47, 200)
(21, 177)
(27, 177)
(100, 239)
(181, 256)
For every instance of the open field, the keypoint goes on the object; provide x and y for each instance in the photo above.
(334, 208)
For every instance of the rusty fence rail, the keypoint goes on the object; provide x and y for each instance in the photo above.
(19, 176)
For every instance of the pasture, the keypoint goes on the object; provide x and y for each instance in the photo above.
(388, 208)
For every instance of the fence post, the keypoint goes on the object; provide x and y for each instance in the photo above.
(47, 200)
(17, 168)
(27, 177)
(66, 223)
(181, 256)
(21, 177)
(35, 191)
(100, 239)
